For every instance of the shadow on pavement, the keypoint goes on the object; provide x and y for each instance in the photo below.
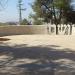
(36, 60)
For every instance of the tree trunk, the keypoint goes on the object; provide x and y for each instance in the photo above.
(57, 29)
(71, 29)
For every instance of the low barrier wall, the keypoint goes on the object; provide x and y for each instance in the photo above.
(73, 30)
(34, 29)
(21, 30)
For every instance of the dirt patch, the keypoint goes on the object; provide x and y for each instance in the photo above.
(4, 39)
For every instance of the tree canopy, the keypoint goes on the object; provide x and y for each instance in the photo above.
(25, 22)
(52, 10)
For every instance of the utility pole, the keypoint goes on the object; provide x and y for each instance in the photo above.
(20, 4)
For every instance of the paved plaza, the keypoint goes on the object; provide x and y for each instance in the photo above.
(37, 55)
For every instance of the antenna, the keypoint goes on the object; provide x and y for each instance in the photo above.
(20, 4)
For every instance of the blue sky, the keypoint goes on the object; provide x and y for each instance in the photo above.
(11, 11)
(73, 3)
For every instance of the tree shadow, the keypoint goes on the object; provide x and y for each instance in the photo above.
(37, 60)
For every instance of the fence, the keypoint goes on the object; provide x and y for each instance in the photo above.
(36, 29)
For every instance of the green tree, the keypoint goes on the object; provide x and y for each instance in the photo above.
(63, 6)
(25, 22)
(54, 11)
(41, 12)
(36, 20)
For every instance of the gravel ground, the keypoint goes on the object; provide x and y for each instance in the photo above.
(37, 55)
